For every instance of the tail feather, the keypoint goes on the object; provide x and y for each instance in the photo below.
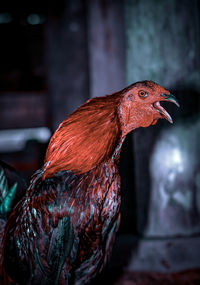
(3, 185)
(12, 189)
(7, 199)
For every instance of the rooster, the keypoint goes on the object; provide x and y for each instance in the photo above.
(63, 229)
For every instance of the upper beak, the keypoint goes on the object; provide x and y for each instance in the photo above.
(171, 98)
(166, 97)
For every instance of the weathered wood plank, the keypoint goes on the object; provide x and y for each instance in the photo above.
(23, 110)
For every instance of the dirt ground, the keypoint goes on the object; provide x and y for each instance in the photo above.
(189, 277)
(115, 277)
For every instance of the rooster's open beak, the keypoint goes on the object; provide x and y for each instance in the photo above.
(166, 97)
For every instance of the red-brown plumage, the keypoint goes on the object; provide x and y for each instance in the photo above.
(62, 231)
(90, 134)
(86, 138)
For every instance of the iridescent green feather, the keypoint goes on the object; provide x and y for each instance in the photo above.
(6, 196)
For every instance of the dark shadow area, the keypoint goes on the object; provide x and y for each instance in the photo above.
(126, 170)
(22, 45)
(27, 160)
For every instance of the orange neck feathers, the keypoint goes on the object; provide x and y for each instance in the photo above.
(90, 135)
(86, 138)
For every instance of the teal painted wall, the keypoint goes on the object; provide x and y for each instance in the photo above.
(162, 44)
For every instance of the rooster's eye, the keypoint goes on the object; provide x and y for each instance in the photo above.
(142, 94)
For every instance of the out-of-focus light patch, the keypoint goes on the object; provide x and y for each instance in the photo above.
(168, 160)
(172, 168)
(35, 19)
(164, 196)
(183, 198)
(15, 140)
(174, 158)
(176, 152)
(172, 176)
(5, 18)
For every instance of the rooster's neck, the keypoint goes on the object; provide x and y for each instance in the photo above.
(117, 151)
(88, 137)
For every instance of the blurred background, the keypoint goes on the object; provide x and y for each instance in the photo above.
(54, 55)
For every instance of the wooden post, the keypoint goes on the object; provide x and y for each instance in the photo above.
(106, 47)
(66, 57)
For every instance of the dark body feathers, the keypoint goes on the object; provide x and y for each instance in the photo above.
(62, 231)
(12, 188)
(65, 227)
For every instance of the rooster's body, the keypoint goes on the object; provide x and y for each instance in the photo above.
(62, 231)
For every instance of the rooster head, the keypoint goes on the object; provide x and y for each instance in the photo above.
(140, 106)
